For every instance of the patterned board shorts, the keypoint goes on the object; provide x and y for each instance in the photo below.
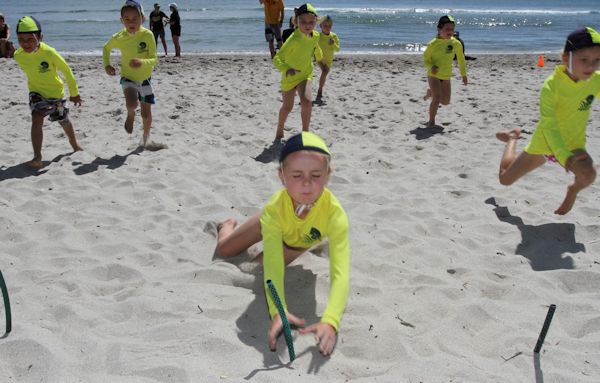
(144, 89)
(272, 31)
(54, 108)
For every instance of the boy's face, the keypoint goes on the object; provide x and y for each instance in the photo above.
(305, 174)
(29, 41)
(585, 62)
(1, 22)
(131, 19)
(446, 31)
(326, 27)
(307, 23)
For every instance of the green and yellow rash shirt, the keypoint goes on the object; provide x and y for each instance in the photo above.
(440, 52)
(297, 53)
(41, 68)
(329, 49)
(564, 111)
(279, 226)
(140, 45)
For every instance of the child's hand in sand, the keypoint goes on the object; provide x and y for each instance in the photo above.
(277, 327)
(291, 72)
(76, 100)
(135, 63)
(325, 336)
(578, 155)
(465, 81)
(110, 70)
(434, 69)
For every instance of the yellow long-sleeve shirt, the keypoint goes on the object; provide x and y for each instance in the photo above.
(41, 68)
(297, 53)
(440, 52)
(328, 48)
(140, 45)
(564, 112)
(327, 218)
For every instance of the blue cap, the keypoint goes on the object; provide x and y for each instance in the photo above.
(304, 141)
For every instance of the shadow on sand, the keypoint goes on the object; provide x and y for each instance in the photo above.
(114, 162)
(543, 245)
(425, 133)
(270, 153)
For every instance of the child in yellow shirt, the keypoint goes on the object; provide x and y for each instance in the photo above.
(41, 64)
(565, 104)
(138, 59)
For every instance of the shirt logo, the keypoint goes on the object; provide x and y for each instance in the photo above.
(586, 104)
(314, 235)
(44, 67)
(449, 49)
(142, 48)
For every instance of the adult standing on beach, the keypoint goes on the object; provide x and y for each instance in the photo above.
(175, 23)
(157, 25)
(7, 48)
(274, 14)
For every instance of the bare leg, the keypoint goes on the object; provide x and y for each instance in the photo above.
(70, 132)
(513, 167)
(131, 101)
(164, 43)
(37, 137)
(305, 93)
(286, 108)
(177, 47)
(3, 48)
(585, 174)
(146, 112)
(446, 92)
(272, 48)
(322, 79)
(435, 85)
(232, 240)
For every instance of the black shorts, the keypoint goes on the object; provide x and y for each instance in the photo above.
(176, 31)
(158, 32)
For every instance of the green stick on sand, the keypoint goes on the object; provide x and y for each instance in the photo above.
(287, 332)
(6, 304)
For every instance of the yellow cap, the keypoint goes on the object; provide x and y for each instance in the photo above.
(28, 24)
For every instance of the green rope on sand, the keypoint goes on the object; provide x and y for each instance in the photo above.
(6, 304)
(287, 332)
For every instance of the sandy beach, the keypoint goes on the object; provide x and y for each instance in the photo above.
(108, 253)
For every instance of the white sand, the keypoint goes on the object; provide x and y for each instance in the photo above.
(108, 253)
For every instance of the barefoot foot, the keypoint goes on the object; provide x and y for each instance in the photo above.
(567, 203)
(129, 124)
(507, 135)
(35, 163)
(427, 95)
(227, 225)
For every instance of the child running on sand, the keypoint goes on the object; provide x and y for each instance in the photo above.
(41, 64)
(138, 59)
(329, 43)
(294, 60)
(565, 104)
(295, 219)
(438, 58)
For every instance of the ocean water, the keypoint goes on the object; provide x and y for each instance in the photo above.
(377, 26)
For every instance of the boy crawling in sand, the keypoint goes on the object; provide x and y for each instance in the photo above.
(295, 219)
(565, 104)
